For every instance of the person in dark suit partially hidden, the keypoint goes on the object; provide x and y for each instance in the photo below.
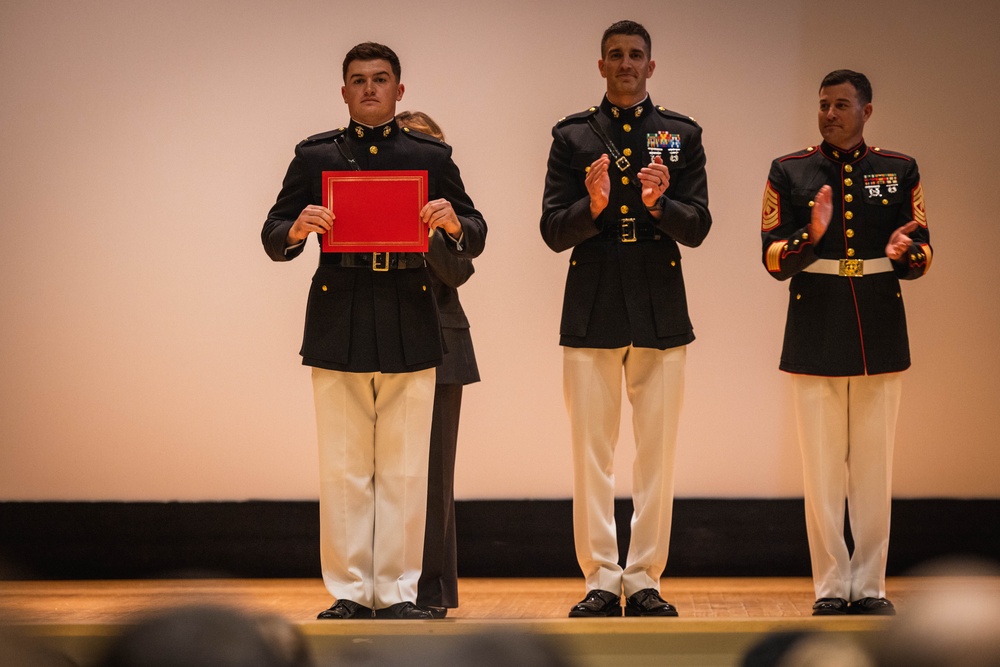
(437, 590)
(373, 338)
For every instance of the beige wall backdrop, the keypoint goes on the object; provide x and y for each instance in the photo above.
(149, 347)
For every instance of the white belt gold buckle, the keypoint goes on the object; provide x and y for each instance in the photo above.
(852, 268)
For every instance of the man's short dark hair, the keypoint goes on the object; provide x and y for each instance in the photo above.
(373, 51)
(627, 28)
(856, 79)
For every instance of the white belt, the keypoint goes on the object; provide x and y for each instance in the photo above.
(850, 268)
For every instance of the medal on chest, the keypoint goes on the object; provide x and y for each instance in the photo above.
(875, 182)
(657, 142)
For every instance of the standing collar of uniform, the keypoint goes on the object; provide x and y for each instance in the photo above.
(841, 156)
(623, 115)
(364, 132)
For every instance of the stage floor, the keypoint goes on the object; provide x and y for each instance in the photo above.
(299, 600)
(719, 618)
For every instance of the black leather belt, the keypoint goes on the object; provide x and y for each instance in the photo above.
(374, 261)
(630, 230)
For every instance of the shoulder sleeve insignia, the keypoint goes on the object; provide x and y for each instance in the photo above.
(918, 205)
(770, 214)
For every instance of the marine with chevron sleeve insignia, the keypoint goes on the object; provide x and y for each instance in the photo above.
(846, 222)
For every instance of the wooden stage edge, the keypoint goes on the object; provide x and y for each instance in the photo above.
(720, 617)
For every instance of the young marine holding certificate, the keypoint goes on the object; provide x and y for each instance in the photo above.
(372, 331)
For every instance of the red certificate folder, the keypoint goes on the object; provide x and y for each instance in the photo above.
(375, 211)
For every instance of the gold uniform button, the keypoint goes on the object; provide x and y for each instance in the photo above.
(898, 295)
(849, 198)
(572, 263)
(673, 262)
(323, 288)
(850, 252)
(424, 287)
(798, 296)
(849, 215)
(811, 204)
(624, 209)
(627, 127)
(805, 235)
(848, 168)
(624, 180)
(373, 150)
(850, 233)
(848, 182)
(586, 169)
(627, 152)
(913, 258)
(885, 202)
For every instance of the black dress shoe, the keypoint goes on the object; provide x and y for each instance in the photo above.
(830, 607)
(403, 611)
(345, 609)
(648, 602)
(872, 607)
(597, 603)
(435, 612)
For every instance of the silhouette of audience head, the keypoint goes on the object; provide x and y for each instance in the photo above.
(207, 636)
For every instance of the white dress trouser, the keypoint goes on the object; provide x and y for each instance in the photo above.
(592, 384)
(374, 437)
(847, 426)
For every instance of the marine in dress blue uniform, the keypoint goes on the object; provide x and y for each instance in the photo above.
(846, 225)
(625, 186)
(373, 337)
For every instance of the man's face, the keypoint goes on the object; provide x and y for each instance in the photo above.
(626, 66)
(371, 91)
(842, 116)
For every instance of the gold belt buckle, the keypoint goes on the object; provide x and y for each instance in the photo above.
(852, 268)
(628, 230)
(380, 261)
(622, 163)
